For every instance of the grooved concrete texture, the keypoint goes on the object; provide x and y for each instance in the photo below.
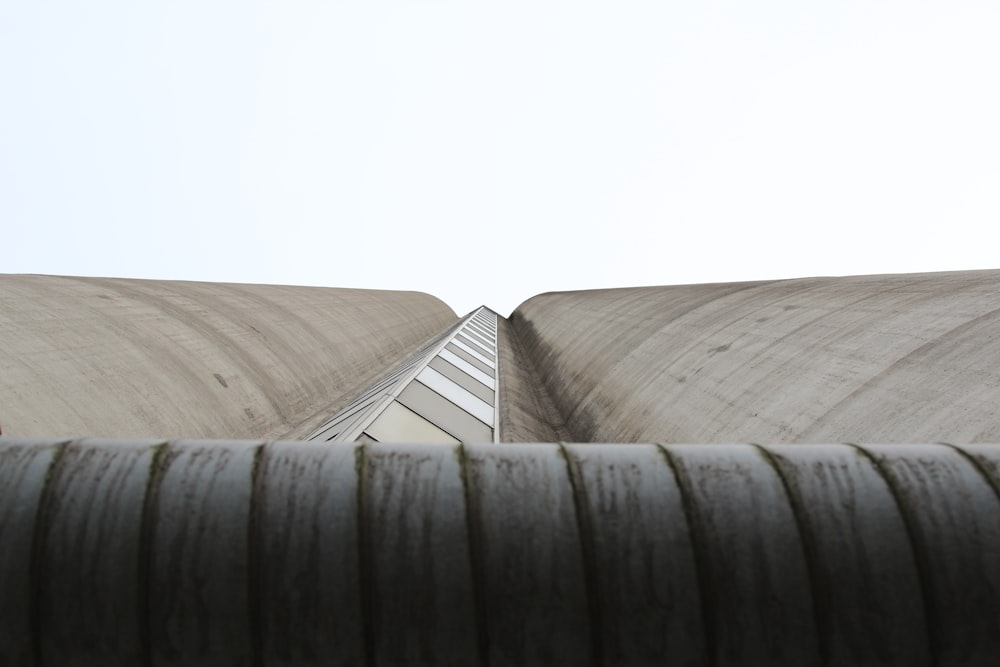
(527, 414)
(204, 553)
(145, 358)
(893, 358)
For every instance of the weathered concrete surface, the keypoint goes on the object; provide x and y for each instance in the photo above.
(187, 552)
(893, 358)
(143, 358)
(526, 413)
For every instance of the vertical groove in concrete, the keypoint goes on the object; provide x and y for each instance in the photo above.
(585, 530)
(821, 605)
(423, 602)
(199, 555)
(150, 506)
(919, 557)
(92, 549)
(254, 547)
(980, 465)
(737, 498)
(954, 516)
(38, 544)
(472, 518)
(699, 549)
(536, 604)
(308, 590)
(526, 410)
(699, 544)
(850, 524)
(641, 565)
(365, 573)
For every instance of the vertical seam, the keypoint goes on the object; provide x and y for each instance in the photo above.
(919, 558)
(254, 540)
(585, 530)
(821, 621)
(700, 549)
(977, 464)
(38, 544)
(364, 553)
(150, 505)
(472, 516)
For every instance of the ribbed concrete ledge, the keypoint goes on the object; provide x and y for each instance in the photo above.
(199, 552)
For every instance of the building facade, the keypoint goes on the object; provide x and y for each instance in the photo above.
(374, 480)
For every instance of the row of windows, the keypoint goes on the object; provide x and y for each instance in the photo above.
(444, 393)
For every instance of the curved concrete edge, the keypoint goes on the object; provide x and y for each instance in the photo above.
(137, 358)
(892, 358)
(298, 553)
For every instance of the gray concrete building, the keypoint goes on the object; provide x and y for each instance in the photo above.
(201, 473)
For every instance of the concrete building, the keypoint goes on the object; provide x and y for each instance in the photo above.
(359, 490)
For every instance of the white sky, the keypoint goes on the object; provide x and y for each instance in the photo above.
(487, 152)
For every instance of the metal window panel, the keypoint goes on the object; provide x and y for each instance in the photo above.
(347, 426)
(325, 433)
(478, 355)
(400, 424)
(458, 395)
(489, 334)
(483, 391)
(353, 409)
(476, 347)
(478, 338)
(341, 419)
(445, 414)
(475, 335)
(472, 359)
(467, 367)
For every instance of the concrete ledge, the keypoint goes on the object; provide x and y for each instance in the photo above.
(208, 552)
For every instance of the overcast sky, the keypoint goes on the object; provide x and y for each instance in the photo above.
(487, 152)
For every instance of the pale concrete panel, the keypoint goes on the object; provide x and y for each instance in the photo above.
(892, 358)
(144, 358)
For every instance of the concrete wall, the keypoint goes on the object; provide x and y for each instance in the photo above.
(893, 358)
(143, 358)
